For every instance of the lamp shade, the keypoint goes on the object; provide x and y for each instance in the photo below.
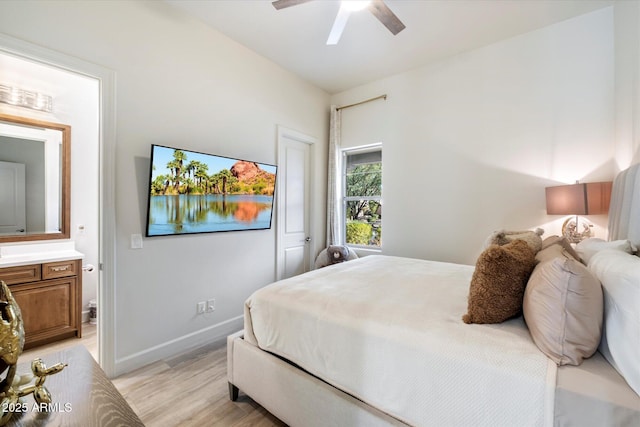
(579, 199)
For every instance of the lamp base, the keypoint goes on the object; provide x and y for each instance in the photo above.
(571, 229)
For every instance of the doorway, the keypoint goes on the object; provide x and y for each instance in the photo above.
(13, 218)
(88, 107)
(295, 220)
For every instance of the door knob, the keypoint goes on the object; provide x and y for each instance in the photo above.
(308, 239)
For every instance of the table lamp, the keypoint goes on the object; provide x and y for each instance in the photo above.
(578, 199)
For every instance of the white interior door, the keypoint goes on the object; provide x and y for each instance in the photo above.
(295, 152)
(12, 198)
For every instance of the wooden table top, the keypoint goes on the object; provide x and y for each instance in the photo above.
(81, 395)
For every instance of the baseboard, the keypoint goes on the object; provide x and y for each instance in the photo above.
(179, 345)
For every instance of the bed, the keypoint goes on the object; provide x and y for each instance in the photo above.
(379, 341)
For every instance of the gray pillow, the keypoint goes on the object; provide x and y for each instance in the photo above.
(502, 237)
(563, 308)
(561, 241)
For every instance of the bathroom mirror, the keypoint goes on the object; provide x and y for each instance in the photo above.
(35, 172)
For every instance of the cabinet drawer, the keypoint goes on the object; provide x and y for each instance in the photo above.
(52, 270)
(21, 274)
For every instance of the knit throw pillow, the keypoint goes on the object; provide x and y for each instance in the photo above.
(498, 283)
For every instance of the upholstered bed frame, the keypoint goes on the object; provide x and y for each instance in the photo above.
(300, 399)
(291, 394)
(624, 214)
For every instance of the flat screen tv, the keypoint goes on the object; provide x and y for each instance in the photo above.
(192, 192)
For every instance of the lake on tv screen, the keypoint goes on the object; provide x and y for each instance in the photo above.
(179, 214)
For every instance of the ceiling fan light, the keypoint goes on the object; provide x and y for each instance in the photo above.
(338, 26)
(355, 5)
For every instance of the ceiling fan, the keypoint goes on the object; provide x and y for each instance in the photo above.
(377, 7)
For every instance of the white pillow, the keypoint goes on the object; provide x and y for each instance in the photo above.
(589, 247)
(619, 273)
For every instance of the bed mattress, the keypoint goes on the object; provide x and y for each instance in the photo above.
(388, 331)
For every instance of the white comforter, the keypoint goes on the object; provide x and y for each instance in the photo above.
(388, 331)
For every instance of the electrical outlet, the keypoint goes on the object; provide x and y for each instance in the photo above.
(211, 305)
(200, 308)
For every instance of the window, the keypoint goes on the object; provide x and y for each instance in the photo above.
(362, 201)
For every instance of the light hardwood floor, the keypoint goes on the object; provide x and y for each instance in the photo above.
(186, 390)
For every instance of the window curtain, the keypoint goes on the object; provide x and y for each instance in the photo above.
(334, 203)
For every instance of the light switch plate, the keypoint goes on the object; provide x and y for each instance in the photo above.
(136, 241)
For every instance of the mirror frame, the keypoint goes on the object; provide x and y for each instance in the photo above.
(65, 179)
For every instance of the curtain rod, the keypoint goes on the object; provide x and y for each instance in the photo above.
(362, 102)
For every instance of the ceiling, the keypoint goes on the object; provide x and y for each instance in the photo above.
(295, 37)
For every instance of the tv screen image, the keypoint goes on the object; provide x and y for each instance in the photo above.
(192, 192)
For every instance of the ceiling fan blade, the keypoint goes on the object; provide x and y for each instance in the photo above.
(338, 26)
(381, 11)
(281, 4)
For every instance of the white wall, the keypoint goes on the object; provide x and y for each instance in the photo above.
(75, 103)
(179, 83)
(470, 142)
(627, 37)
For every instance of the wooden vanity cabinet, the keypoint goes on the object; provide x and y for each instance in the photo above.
(50, 298)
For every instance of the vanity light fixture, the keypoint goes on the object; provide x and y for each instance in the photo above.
(25, 98)
(578, 199)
